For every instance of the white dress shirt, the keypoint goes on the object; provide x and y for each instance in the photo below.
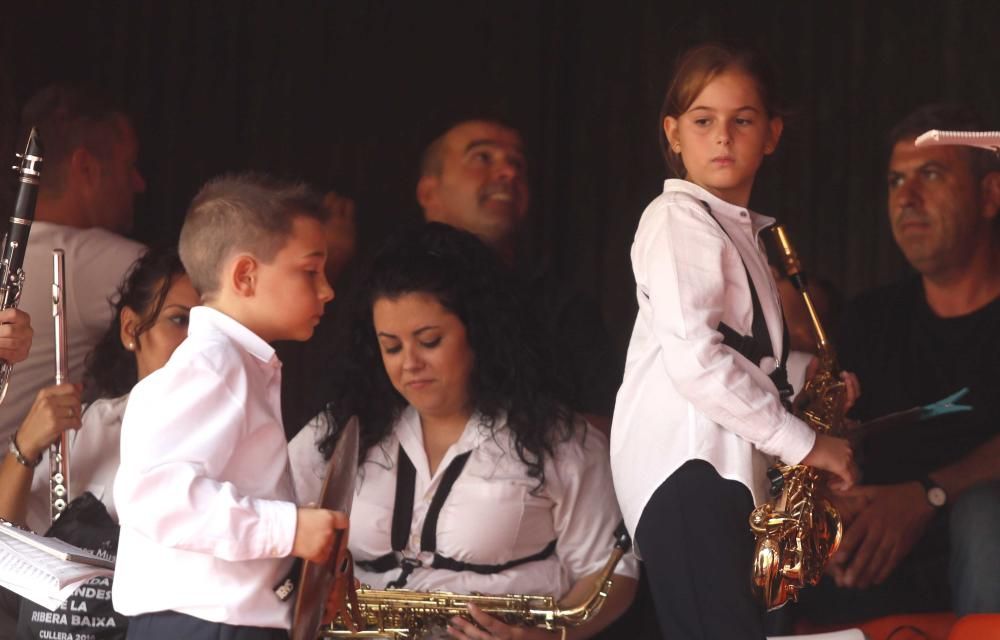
(93, 460)
(492, 515)
(685, 395)
(96, 262)
(204, 496)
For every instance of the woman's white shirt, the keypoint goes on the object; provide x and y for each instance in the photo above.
(94, 456)
(492, 515)
(685, 395)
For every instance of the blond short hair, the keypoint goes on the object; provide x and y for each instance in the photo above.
(246, 212)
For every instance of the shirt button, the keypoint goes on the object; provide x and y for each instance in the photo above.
(743, 214)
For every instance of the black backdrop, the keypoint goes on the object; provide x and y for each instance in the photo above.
(346, 93)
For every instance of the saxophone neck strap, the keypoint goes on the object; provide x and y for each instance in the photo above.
(756, 346)
(402, 517)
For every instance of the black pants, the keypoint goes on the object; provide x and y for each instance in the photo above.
(694, 536)
(170, 625)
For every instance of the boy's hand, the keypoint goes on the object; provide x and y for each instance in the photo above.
(314, 533)
(833, 455)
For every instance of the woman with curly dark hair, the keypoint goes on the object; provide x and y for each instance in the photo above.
(464, 444)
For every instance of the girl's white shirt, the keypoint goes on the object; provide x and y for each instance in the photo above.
(685, 395)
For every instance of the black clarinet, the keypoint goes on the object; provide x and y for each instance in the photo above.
(15, 241)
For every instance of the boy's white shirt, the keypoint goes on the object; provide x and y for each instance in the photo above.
(685, 395)
(204, 494)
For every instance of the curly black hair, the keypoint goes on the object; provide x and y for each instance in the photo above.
(110, 368)
(513, 370)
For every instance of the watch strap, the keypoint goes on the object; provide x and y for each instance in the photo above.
(931, 486)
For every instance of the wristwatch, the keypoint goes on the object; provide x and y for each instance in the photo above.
(936, 496)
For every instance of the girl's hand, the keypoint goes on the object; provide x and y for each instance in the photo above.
(853, 386)
(15, 335)
(56, 409)
(493, 628)
(833, 455)
(853, 389)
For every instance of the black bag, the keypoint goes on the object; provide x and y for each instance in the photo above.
(88, 613)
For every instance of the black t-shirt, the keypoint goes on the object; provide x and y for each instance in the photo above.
(906, 356)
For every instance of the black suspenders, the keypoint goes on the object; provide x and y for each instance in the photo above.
(402, 516)
(757, 345)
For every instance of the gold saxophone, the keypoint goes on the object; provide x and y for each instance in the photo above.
(400, 613)
(800, 531)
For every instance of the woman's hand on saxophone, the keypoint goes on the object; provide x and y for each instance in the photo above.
(833, 455)
(15, 335)
(56, 409)
(490, 627)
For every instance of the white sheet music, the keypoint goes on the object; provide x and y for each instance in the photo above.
(54, 546)
(39, 575)
(982, 139)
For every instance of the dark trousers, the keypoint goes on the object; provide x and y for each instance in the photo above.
(694, 536)
(170, 625)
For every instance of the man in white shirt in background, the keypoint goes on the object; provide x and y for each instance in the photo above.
(89, 183)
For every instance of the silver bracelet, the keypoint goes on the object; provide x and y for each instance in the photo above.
(12, 447)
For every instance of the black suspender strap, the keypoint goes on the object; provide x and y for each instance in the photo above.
(428, 536)
(757, 345)
(402, 508)
(402, 517)
(441, 562)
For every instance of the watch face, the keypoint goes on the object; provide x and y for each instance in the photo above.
(936, 496)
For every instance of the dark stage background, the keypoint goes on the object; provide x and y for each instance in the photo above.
(346, 94)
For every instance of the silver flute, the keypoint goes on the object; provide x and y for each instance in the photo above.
(59, 450)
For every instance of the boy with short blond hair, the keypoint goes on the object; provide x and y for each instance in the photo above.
(204, 496)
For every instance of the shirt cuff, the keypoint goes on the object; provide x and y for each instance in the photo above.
(278, 520)
(791, 441)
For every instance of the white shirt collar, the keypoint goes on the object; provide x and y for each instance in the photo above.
(411, 437)
(719, 206)
(207, 321)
